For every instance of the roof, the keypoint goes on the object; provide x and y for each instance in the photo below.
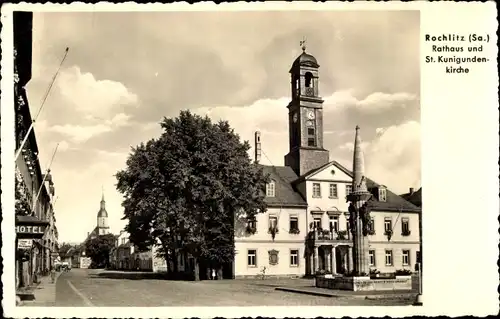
(285, 193)
(393, 201)
(305, 59)
(415, 198)
(102, 212)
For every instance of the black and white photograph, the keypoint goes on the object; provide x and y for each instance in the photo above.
(217, 158)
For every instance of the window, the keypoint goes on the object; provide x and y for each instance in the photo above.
(252, 258)
(419, 257)
(388, 257)
(308, 77)
(252, 224)
(348, 189)
(387, 225)
(333, 191)
(405, 226)
(317, 222)
(371, 253)
(382, 194)
(294, 223)
(273, 221)
(311, 135)
(406, 257)
(316, 190)
(294, 257)
(372, 225)
(334, 223)
(270, 189)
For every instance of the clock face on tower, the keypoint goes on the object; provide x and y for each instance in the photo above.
(295, 117)
(310, 115)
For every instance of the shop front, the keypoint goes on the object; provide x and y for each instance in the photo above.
(29, 260)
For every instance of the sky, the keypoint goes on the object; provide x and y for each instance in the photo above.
(125, 71)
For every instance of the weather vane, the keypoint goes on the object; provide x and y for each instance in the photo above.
(303, 44)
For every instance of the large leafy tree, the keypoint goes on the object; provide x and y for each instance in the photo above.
(99, 248)
(184, 190)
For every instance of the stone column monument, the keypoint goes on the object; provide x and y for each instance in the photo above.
(359, 218)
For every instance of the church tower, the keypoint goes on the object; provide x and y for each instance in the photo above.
(305, 117)
(102, 218)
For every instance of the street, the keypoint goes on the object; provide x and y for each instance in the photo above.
(102, 288)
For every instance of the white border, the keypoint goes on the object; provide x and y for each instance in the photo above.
(459, 172)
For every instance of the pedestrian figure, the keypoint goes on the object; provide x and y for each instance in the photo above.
(213, 274)
(52, 274)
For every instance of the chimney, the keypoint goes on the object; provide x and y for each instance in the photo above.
(412, 190)
(257, 147)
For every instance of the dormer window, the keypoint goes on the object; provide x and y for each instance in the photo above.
(271, 189)
(382, 194)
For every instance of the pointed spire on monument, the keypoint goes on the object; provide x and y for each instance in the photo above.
(102, 198)
(358, 170)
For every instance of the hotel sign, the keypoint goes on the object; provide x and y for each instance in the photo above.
(30, 231)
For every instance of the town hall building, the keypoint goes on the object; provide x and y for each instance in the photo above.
(305, 229)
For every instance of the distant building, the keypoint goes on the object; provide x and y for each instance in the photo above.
(414, 197)
(305, 229)
(125, 256)
(102, 226)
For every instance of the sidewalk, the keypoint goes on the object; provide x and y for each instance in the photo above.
(332, 293)
(45, 293)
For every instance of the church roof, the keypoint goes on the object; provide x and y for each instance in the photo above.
(285, 194)
(305, 59)
(102, 212)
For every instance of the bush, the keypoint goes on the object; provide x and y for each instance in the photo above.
(403, 272)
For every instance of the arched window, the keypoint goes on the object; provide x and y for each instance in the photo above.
(309, 82)
(271, 189)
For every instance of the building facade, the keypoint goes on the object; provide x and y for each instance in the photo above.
(36, 232)
(306, 227)
(125, 256)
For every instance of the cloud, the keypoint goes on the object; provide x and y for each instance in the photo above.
(393, 158)
(82, 133)
(373, 103)
(349, 146)
(91, 96)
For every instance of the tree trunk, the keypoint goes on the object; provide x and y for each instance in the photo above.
(175, 262)
(196, 269)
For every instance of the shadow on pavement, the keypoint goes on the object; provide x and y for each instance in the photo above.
(132, 275)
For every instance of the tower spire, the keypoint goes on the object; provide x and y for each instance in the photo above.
(102, 191)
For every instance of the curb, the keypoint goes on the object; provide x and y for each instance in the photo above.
(305, 292)
(333, 295)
